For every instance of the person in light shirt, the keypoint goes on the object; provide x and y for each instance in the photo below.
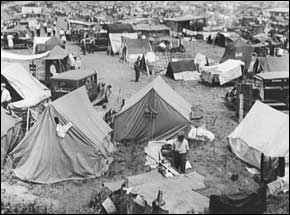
(180, 148)
(5, 96)
(61, 130)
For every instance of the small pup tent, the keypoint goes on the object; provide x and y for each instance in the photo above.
(222, 73)
(182, 70)
(238, 50)
(155, 112)
(43, 157)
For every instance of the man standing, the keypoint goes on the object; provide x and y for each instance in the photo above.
(5, 96)
(137, 68)
(38, 29)
(84, 46)
(45, 27)
(180, 148)
(10, 41)
(49, 31)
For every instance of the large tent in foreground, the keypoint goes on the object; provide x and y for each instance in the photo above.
(43, 157)
(263, 130)
(238, 50)
(155, 112)
(11, 133)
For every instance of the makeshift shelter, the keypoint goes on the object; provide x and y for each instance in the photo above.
(118, 28)
(83, 153)
(59, 57)
(11, 134)
(182, 70)
(273, 64)
(238, 50)
(53, 42)
(222, 73)
(155, 112)
(26, 91)
(152, 30)
(133, 48)
(263, 130)
(223, 38)
(39, 44)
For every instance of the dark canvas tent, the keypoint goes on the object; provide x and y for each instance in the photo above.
(238, 50)
(223, 38)
(273, 64)
(119, 28)
(43, 157)
(52, 42)
(155, 112)
(59, 56)
(179, 67)
(11, 133)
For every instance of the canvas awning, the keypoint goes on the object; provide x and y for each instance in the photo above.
(13, 56)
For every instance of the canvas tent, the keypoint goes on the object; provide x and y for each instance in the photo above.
(59, 56)
(222, 73)
(26, 91)
(155, 112)
(43, 157)
(223, 38)
(133, 48)
(182, 70)
(52, 43)
(39, 44)
(263, 130)
(273, 64)
(11, 134)
(238, 50)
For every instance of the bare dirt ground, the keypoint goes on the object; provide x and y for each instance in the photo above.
(214, 160)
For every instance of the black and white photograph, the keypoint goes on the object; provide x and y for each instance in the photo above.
(144, 107)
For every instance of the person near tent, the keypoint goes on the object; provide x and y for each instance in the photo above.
(49, 31)
(61, 130)
(5, 96)
(10, 41)
(53, 30)
(72, 61)
(137, 68)
(37, 29)
(78, 62)
(45, 27)
(180, 148)
(52, 68)
(83, 46)
(91, 45)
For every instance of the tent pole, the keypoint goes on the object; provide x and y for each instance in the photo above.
(241, 107)
(27, 121)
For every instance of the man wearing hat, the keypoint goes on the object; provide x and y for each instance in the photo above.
(180, 148)
(5, 96)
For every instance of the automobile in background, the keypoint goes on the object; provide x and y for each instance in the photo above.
(19, 40)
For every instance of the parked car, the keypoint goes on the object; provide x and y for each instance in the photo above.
(66, 82)
(19, 40)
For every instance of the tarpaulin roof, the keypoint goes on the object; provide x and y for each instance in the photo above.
(185, 18)
(173, 114)
(13, 56)
(74, 74)
(53, 42)
(119, 28)
(28, 87)
(137, 46)
(17, 28)
(274, 64)
(57, 53)
(263, 130)
(180, 66)
(150, 28)
(272, 75)
(238, 50)
(30, 10)
(10, 133)
(43, 157)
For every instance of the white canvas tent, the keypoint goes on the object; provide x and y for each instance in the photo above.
(224, 72)
(116, 40)
(263, 130)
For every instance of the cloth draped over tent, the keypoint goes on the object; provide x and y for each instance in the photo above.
(28, 87)
(11, 134)
(116, 40)
(182, 70)
(13, 56)
(238, 50)
(263, 130)
(155, 112)
(84, 152)
(224, 72)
